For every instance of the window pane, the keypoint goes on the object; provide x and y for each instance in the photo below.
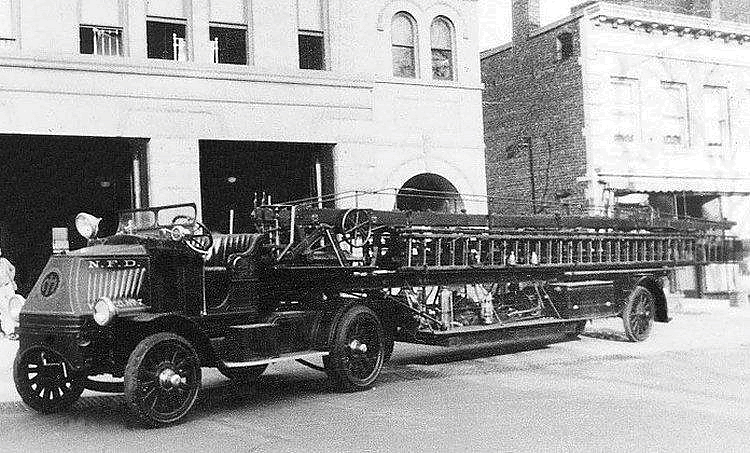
(674, 114)
(565, 48)
(403, 62)
(86, 36)
(402, 31)
(6, 19)
(625, 109)
(159, 39)
(440, 34)
(442, 64)
(716, 110)
(100, 12)
(309, 15)
(101, 40)
(228, 11)
(311, 51)
(166, 8)
(232, 44)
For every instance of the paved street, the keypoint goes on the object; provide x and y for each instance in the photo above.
(685, 389)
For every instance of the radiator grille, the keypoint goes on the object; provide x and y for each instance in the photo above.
(116, 284)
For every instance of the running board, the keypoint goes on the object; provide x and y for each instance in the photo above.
(281, 358)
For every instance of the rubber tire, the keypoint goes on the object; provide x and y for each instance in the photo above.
(245, 374)
(33, 400)
(140, 414)
(336, 362)
(630, 306)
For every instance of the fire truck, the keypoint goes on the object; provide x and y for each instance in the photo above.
(330, 288)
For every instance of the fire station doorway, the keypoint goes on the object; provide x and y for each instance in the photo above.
(429, 192)
(45, 181)
(235, 175)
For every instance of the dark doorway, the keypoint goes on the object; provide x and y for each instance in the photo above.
(45, 181)
(234, 175)
(429, 192)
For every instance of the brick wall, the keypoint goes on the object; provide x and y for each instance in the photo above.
(530, 94)
(736, 10)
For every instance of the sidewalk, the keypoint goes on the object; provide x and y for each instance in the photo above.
(696, 323)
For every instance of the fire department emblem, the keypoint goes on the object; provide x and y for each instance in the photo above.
(50, 283)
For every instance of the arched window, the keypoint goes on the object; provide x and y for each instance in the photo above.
(441, 38)
(403, 47)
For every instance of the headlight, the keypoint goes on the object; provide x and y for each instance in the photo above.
(14, 306)
(87, 225)
(104, 311)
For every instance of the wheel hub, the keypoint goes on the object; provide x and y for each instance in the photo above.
(356, 346)
(169, 379)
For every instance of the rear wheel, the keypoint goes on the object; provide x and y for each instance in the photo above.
(162, 379)
(357, 349)
(45, 381)
(638, 315)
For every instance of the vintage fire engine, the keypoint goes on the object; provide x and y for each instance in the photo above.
(163, 297)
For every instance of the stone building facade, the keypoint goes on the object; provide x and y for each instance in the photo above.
(108, 104)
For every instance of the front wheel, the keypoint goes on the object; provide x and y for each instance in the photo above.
(357, 349)
(638, 315)
(162, 379)
(45, 380)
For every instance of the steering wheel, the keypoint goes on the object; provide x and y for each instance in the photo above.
(356, 227)
(198, 240)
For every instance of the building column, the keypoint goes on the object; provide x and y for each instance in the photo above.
(174, 172)
(134, 24)
(199, 19)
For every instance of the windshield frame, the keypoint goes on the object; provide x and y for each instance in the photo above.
(127, 224)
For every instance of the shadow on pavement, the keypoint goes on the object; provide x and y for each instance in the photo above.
(438, 355)
(606, 334)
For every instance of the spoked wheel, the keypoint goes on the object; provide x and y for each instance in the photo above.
(45, 380)
(245, 374)
(356, 227)
(638, 315)
(162, 379)
(357, 349)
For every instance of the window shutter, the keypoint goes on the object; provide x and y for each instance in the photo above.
(100, 12)
(228, 11)
(167, 8)
(310, 15)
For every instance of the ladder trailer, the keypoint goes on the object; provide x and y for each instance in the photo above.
(333, 289)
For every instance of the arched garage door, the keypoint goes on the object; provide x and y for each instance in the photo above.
(429, 192)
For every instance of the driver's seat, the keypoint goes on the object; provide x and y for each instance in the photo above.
(224, 245)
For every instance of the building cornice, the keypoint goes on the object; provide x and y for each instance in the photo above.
(653, 21)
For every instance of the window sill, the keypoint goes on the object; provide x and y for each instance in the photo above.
(429, 82)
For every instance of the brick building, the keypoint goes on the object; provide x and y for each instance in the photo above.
(108, 104)
(621, 103)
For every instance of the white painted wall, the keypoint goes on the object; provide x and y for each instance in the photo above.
(386, 130)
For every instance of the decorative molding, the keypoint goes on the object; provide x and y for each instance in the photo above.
(649, 21)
